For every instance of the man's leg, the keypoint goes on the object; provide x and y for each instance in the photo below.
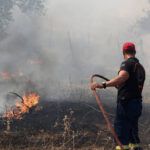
(134, 137)
(122, 127)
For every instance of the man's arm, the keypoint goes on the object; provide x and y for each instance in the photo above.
(121, 78)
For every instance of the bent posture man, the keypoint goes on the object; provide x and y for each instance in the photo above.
(129, 81)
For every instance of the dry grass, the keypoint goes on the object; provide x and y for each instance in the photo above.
(77, 128)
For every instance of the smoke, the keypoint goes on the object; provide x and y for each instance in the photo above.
(58, 43)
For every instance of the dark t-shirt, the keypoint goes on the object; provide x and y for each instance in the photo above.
(132, 88)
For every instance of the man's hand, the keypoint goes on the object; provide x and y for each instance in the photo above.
(95, 85)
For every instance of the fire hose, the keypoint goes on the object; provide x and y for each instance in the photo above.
(102, 109)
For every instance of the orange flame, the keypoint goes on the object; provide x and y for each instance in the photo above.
(36, 61)
(24, 107)
(10, 114)
(20, 74)
(6, 75)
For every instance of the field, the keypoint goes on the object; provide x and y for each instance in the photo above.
(65, 126)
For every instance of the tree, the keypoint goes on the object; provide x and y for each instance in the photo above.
(6, 7)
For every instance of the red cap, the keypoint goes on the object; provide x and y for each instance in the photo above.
(128, 46)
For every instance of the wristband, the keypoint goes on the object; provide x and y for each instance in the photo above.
(104, 85)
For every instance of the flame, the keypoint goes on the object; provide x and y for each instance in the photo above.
(6, 75)
(21, 108)
(36, 61)
(20, 74)
(10, 114)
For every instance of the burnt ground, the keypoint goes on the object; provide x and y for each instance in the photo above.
(66, 125)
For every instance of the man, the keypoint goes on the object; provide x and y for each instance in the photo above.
(130, 81)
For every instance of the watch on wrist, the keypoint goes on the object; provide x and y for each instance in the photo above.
(104, 85)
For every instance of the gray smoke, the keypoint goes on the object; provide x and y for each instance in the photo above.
(56, 44)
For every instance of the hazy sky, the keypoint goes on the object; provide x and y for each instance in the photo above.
(81, 16)
(105, 24)
(72, 39)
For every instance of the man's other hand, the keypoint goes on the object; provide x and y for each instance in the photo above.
(95, 85)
